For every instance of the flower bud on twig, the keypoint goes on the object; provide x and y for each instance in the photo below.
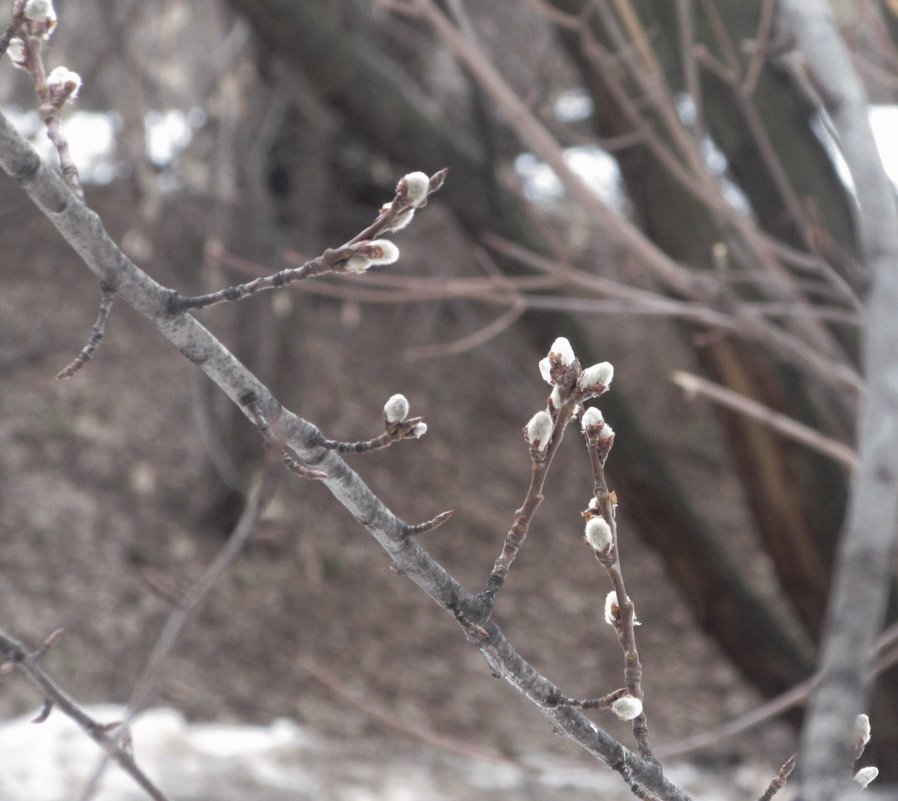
(419, 430)
(592, 418)
(866, 775)
(396, 409)
(560, 354)
(862, 729)
(414, 189)
(63, 85)
(539, 431)
(596, 378)
(402, 219)
(18, 53)
(370, 253)
(598, 535)
(612, 610)
(40, 17)
(627, 707)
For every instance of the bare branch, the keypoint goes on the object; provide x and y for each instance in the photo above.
(16, 654)
(862, 572)
(693, 385)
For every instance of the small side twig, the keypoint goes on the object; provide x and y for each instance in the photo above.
(96, 336)
(779, 780)
(355, 256)
(429, 525)
(604, 702)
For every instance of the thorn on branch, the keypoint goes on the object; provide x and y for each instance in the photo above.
(429, 525)
(93, 341)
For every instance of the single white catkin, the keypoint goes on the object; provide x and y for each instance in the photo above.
(539, 430)
(627, 707)
(601, 374)
(40, 10)
(416, 187)
(866, 775)
(396, 409)
(862, 729)
(598, 534)
(592, 417)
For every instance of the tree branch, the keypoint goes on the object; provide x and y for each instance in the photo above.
(858, 599)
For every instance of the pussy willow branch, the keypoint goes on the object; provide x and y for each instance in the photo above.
(598, 454)
(514, 539)
(27, 662)
(84, 231)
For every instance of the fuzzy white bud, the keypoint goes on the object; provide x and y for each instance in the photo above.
(367, 254)
(598, 375)
(40, 17)
(555, 398)
(607, 432)
(39, 10)
(561, 352)
(63, 85)
(592, 418)
(539, 430)
(862, 729)
(612, 610)
(402, 220)
(414, 187)
(396, 409)
(17, 53)
(598, 534)
(419, 430)
(627, 707)
(866, 775)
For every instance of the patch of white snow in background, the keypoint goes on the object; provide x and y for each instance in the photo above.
(168, 133)
(596, 167)
(53, 760)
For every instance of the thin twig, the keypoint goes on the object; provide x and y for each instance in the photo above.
(779, 780)
(21, 659)
(429, 525)
(693, 385)
(331, 260)
(96, 336)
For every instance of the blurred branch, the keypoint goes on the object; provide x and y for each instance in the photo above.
(863, 570)
(694, 385)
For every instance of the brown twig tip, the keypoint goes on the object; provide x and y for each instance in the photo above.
(779, 780)
(438, 179)
(93, 341)
(52, 638)
(429, 525)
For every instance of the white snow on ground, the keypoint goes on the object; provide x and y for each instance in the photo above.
(52, 761)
